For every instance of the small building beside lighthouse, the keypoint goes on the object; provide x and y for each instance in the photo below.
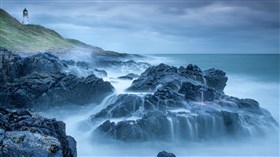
(25, 20)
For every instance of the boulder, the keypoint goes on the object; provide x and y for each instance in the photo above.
(25, 134)
(165, 154)
(216, 79)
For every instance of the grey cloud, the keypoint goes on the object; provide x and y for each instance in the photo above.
(172, 24)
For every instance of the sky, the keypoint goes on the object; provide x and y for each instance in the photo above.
(160, 26)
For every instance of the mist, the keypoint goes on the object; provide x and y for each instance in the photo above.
(91, 143)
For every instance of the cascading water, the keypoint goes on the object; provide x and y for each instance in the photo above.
(183, 123)
(171, 128)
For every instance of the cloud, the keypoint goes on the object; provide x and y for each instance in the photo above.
(162, 27)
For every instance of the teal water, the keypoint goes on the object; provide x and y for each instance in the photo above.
(259, 66)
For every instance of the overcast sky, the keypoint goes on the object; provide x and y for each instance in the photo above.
(177, 26)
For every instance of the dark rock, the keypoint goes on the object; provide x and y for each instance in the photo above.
(231, 121)
(151, 126)
(82, 64)
(216, 79)
(129, 76)
(182, 104)
(198, 92)
(38, 81)
(163, 74)
(69, 62)
(26, 134)
(165, 154)
(100, 73)
(43, 91)
(249, 104)
(10, 65)
(42, 63)
(72, 145)
(155, 76)
(125, 105)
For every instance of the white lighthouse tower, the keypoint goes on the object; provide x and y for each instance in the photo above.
(25, 17)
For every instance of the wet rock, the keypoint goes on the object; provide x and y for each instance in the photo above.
(129, 76)
(125, 105)
(165, 154)
(25, 134)
(119, 64)
(43, 91)
(42, 63)
(39, 81)
(82, 64)
(163, 74)
(10, 65)
(155, 76)
(198, 92)
(100, 73)
(151, 126)
(216, 79)
(184, 104)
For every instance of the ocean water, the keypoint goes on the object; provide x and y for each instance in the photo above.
(250, 76)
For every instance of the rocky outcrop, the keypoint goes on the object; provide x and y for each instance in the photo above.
(25, 134)
(39, 81)
(181, 104)
(215, 79)
(42, 90)
(163, 74)
(165, 154)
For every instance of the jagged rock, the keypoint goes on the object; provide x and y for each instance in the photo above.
(164, 74)
(25, 134)
(216, 79)
(43, 91)
(38, 81)
(155, 76)
(181, 106)
(165, 154)
(10, 65)
(198, 92)
(42, 63)
(129, 76)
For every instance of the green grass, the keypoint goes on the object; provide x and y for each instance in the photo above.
(30, 38)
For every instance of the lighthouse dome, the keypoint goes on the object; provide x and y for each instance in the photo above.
(25, 17)
(25, 11)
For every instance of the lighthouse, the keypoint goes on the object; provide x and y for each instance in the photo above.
(25, 17)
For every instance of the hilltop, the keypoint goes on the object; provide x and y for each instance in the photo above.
(31, 38)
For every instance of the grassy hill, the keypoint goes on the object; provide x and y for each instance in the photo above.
(30, 38)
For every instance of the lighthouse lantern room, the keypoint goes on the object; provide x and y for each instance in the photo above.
(25, 17)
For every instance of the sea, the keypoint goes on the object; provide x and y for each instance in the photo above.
(254, 76)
